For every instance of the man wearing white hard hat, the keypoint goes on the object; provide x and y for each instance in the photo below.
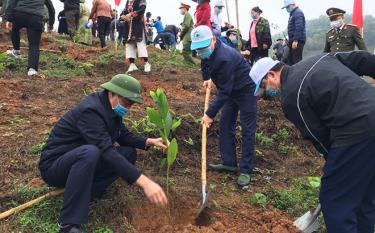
(216, 19)
(296, 31)
(329, 103)
(230, 73)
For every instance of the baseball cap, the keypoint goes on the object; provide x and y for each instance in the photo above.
(201, 37)
(288, 2)
(259, 70)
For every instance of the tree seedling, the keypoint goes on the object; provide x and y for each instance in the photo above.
(162, 118)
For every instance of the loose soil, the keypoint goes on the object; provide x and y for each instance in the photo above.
(29, 107)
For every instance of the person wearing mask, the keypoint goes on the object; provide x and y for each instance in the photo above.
(203, 13)
(229, 71)
(259, 36)
(296, 31)
(216, 19)
(103, 12)
(134, 34)
(33, 10)
(72, 14)
(81, 157)
(326, 99)
(230, 38)
(342, 37)
(187, 26)
(149, 31)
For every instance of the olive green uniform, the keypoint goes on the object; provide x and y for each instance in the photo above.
(3, 4)
(187, 26)
(344, 40)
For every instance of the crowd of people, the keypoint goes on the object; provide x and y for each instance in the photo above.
(331, 107)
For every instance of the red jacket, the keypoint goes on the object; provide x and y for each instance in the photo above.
(203, 15)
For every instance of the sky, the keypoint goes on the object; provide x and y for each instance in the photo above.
(169, 12)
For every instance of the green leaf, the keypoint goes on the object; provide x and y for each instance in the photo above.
(168, 123)
(172, 152)
(153, 96)
(163, 163)
(176, 124)
(314, 181)
(154, 117)
(162, 103)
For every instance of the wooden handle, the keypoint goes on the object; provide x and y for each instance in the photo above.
(204, 139)
(30, 203)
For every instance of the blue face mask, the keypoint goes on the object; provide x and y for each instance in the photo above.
(205, 53)
(273, 93)
(289, 9)
(234, 41)
(200, 1)
(120, 110)
(253, 17)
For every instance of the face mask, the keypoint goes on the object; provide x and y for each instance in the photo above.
(120, 110)
(182, 12)
(273, 93)
(234, 41)
(336, 24)
(200, 1)
(253, 17)
(205, 53)
(289, 9)
(218, 11)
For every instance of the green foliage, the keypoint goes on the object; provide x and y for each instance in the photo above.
(286, 149)
(165, 59)
(314, 181)
(301, 197)
(282, 134)
(143, 126)
(263, 140)
(108, 58)
(36, 149)
(103, 230)
(258, 199)
(3, 58)
(189, 142)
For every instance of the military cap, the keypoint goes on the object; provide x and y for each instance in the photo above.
(183, 5)
(334, 12)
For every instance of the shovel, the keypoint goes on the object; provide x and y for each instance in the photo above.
(205, 194)
(308, 222)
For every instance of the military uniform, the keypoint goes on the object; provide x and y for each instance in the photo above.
(342, 39)
(187, 26)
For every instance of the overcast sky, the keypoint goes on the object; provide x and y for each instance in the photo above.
(168, 10)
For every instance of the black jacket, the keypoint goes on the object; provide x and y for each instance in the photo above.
(71, 5)
(33, 7)
(93, 122)
(325, 98)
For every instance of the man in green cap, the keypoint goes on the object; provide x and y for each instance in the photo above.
(187, 25)
(80, 155)
(342, 37)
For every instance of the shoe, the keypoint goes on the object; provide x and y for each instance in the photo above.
(72, 229)
(243, 180)
(132, 67)
(222, 168)
(14, 53)
(32, 72)
(147, 67)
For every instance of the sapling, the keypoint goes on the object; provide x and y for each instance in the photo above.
(162, 118)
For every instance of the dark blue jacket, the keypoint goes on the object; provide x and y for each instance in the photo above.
(229, 71)
(297, 26)
(226, 41)
(93, 122)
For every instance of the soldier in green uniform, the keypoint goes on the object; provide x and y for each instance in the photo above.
(187, 26)
(342, 37)
(3, 4)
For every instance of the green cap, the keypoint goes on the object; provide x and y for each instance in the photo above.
(125, 86)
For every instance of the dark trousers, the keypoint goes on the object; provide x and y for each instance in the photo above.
(246, 103)
(34, 26)
(295, 55)
(72, 20)
(85, 175)
(104, 24)
(347, 194)
(257, 54)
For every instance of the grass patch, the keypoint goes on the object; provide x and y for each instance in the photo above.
(166, 59)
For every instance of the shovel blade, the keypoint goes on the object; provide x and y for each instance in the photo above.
(204, 203)
(307, 223)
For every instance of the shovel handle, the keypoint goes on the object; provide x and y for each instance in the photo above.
(204, 139)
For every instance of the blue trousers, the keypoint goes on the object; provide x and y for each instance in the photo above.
(347, 195)
(245, 103)
(84, 175)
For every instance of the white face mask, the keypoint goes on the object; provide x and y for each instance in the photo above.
(182, 12)
(336, 24)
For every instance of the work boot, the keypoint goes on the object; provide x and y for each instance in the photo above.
(32, 72)
(14, 53)
(72, 229)
(243, 180)
(147, 67)
(222, 168)
(132, 67)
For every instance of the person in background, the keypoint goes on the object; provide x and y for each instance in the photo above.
(167, 39)
(187, 26)
(278, 50)
(216, 19)
(149, 31)
(259, 36)
(230, 38)
(72, 14)
(158, 25)
(342, 37)
(296, 31)
(203, 13)
(15, 14)
(112, 26)
(134, 34)
(3, 5)
(63, 26)
(230, 73)
(103, 12)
